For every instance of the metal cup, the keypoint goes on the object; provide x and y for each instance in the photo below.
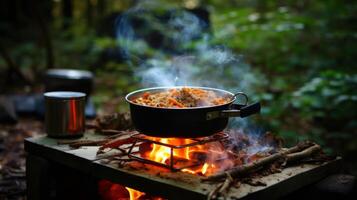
(64, 114)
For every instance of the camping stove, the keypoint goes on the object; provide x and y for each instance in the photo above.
(172, 164)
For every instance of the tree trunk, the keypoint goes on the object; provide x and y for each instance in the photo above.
(89, 13)
(101, 8)
(44, 34)
(67, 13)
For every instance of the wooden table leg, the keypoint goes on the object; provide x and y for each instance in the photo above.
(37, 178)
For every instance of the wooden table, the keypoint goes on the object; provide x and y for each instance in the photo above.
(45, 155)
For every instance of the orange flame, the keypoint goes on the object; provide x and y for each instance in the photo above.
(134, 194)
(210, 152)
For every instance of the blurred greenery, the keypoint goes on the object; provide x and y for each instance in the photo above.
(301, 54)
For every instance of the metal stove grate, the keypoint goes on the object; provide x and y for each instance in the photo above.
(173, 162)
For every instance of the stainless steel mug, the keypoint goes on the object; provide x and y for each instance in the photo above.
(64, 114)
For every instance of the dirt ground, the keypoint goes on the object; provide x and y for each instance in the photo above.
(12, 156)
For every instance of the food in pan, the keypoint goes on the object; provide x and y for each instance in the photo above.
(181, 98)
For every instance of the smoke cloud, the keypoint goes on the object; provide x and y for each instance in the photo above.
(174, 48)
(182, 54)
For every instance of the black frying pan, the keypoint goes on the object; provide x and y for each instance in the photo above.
(186, 122)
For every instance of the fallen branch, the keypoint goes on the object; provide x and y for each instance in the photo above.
(257, 164)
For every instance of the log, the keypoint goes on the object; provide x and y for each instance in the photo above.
(303, 154)
(257, 164)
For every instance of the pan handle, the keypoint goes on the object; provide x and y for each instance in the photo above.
(241, 94)
(237, 111)
(243, 111)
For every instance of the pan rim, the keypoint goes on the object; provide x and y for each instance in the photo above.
(173, 87)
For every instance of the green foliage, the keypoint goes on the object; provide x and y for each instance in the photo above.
(306, 52)
(332, 91)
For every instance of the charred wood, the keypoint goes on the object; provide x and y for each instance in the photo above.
(257, 164)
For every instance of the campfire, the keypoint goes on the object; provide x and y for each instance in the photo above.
(195, 155)
(226, 159)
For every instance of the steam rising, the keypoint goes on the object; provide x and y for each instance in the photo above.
(182, 56)
(179, 51)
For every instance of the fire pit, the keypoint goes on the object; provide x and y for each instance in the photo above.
(125, 159)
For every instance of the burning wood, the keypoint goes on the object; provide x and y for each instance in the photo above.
(257, 164)
(296, 153)
(217, 161)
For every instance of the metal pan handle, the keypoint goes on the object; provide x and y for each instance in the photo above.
(236, 110)
(243, 112)
(241, 94)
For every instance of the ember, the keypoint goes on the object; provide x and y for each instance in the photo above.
(134, 194)
(113, 191)
(195, 155)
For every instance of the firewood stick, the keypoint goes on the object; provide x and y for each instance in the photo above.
(299, 147)
(303, 154)
(226, 186)
(121, 153)
(117, 142)
(83, 142)
(79, 143)
(251, 167)
(214, 192)
(221, 189)
(88, 143)
(111, 132)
